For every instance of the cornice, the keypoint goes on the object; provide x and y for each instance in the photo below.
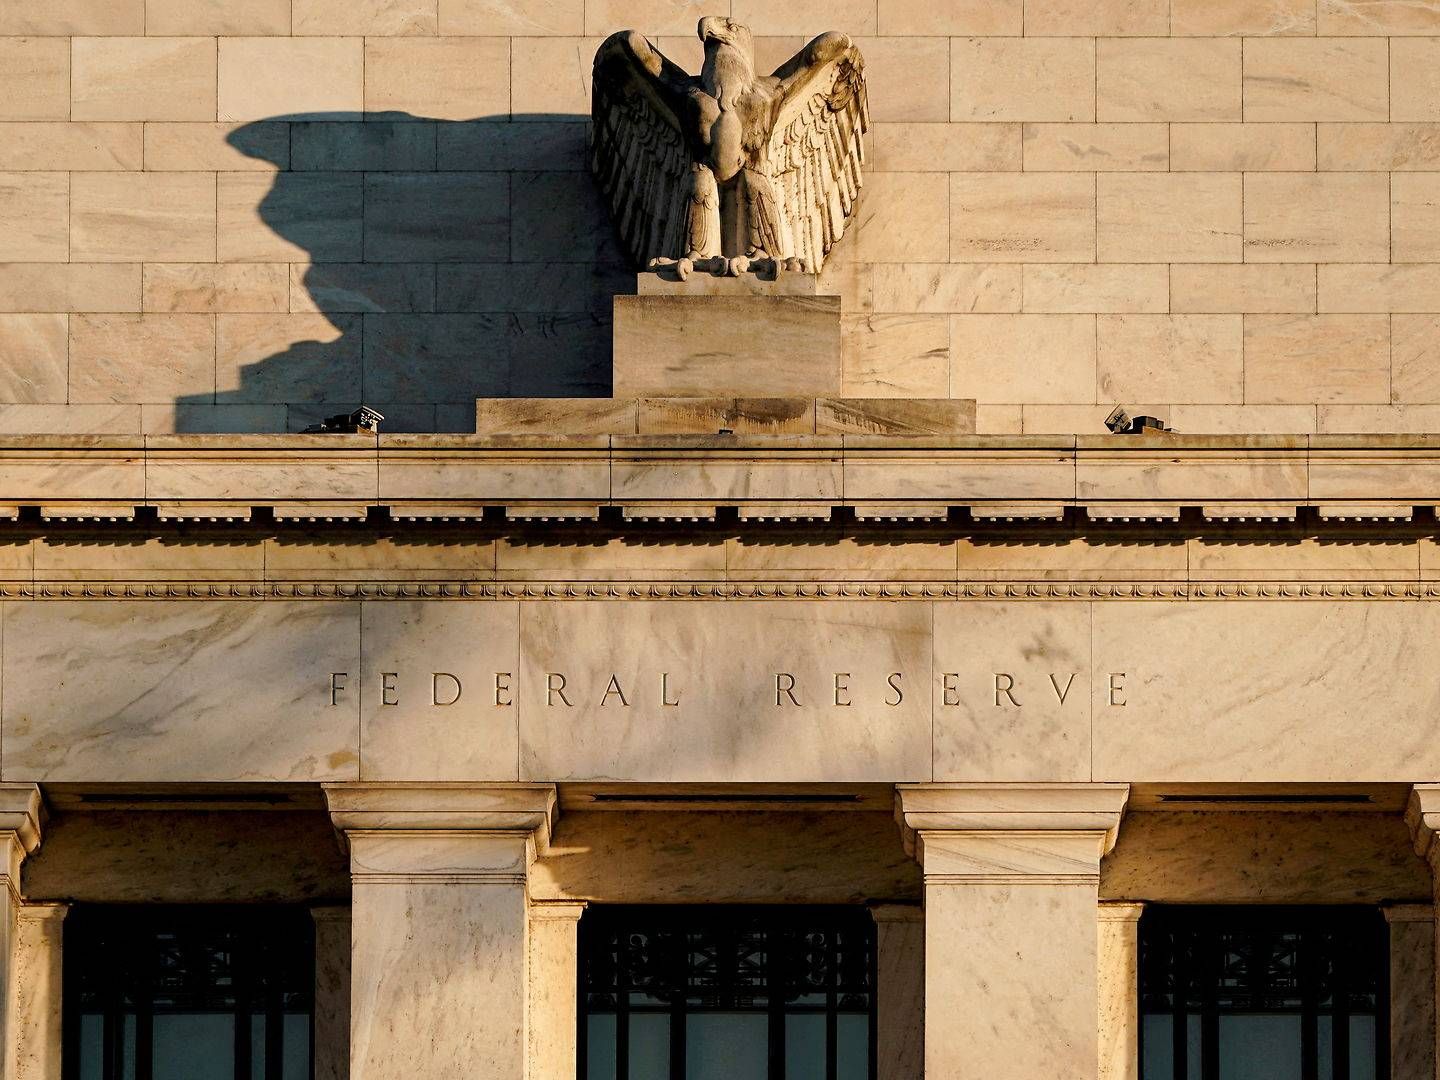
(879, 481)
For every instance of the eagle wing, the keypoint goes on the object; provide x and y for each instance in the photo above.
(638, 150)
(817, 145)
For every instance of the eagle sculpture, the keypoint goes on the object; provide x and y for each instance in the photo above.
(729, 170)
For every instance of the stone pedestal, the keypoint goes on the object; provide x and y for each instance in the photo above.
(1118, 985)
(1012, 875)
(439, 925)
(20, 811)
(900, 991)
(1412, 991)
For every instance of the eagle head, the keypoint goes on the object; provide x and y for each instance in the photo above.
(723, 31)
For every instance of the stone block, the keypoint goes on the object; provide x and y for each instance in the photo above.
(262, 78)
(803, 16)
(675, 346)
(1195, 359)
(1415, 359)
(1096, 147)
(362, 287)
(1170, 217)
(1023, 358)
(231, 711)
(1415, 218)
(1242, 147)
(288, 358)
(1328, 359)
(902, 18)
(363, 146)
(34, 217)
(70, 420)
(548, 416)
(1245, 419)
(172, 418)
(905, 147)
(1022, 79)
(1377, 18)
(895, 356)
(536, 18)
(1379, 147)
(1080, 289)
(530, 145)
(1262, 288)
(604, 17)
(34, 78)
(149, 217)
(741, 416)
(191, 147)
(1227, 18)
(1168, 80)
(550, 77)
(1414, 79)
(234, 288)
(67, 287)
(1317, 79)
(894, 416)
(174, 18)
(437, 217)
(1035, 217)
(65, 18)
(289, 217)
(908, 78)
(143, 78)
(444, 78)
(1325, 217)
(33, 358)
(359, 18)
(1412, 288)
(1097, 18)
(942, 288)
(900, 218)
(144, 358)
(437, 357)
(72, 147)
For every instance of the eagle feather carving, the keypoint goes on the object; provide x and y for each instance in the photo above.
(729, 169)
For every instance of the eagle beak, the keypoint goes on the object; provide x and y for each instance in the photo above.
(709, 29)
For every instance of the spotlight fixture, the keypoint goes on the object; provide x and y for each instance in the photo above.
(363, 421)
(1122, 423)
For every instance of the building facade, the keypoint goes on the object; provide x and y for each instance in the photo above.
(764, 676)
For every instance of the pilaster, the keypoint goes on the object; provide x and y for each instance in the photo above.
(900, 991)
(20, 816)
(1118, 985)
(554, 977)
(1012, 874)
(332, 991)
(38, 1010)
(1412, 991)
(439, 933)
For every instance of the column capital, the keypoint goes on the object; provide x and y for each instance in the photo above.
(1422, 814)
(21, 813)
(558, 910)
(1011, 834)
(898, 913)
(1119, 911)
(1403, 913)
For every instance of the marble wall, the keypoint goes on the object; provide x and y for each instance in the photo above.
(243, 216)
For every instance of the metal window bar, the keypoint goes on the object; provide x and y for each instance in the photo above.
(674, 945)
(1339, 970)
(128, 964)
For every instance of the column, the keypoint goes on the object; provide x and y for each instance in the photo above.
(332, 992)
(20, 812)
(900, 991)
(1422, 814)
(1412, 991)
(554, 988)
(1012, 875)
(1119, 989)
(439, 925)
(38, 1002)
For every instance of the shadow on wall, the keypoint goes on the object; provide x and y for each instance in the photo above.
(433, 262)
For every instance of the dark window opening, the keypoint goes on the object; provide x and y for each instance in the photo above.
(719, 993)
(1264, 993)
(188, 993)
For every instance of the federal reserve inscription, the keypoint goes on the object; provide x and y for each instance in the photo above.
(841, 689)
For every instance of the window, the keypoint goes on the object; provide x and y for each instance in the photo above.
(715, 993)
(201, 993)
(1263, 993)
